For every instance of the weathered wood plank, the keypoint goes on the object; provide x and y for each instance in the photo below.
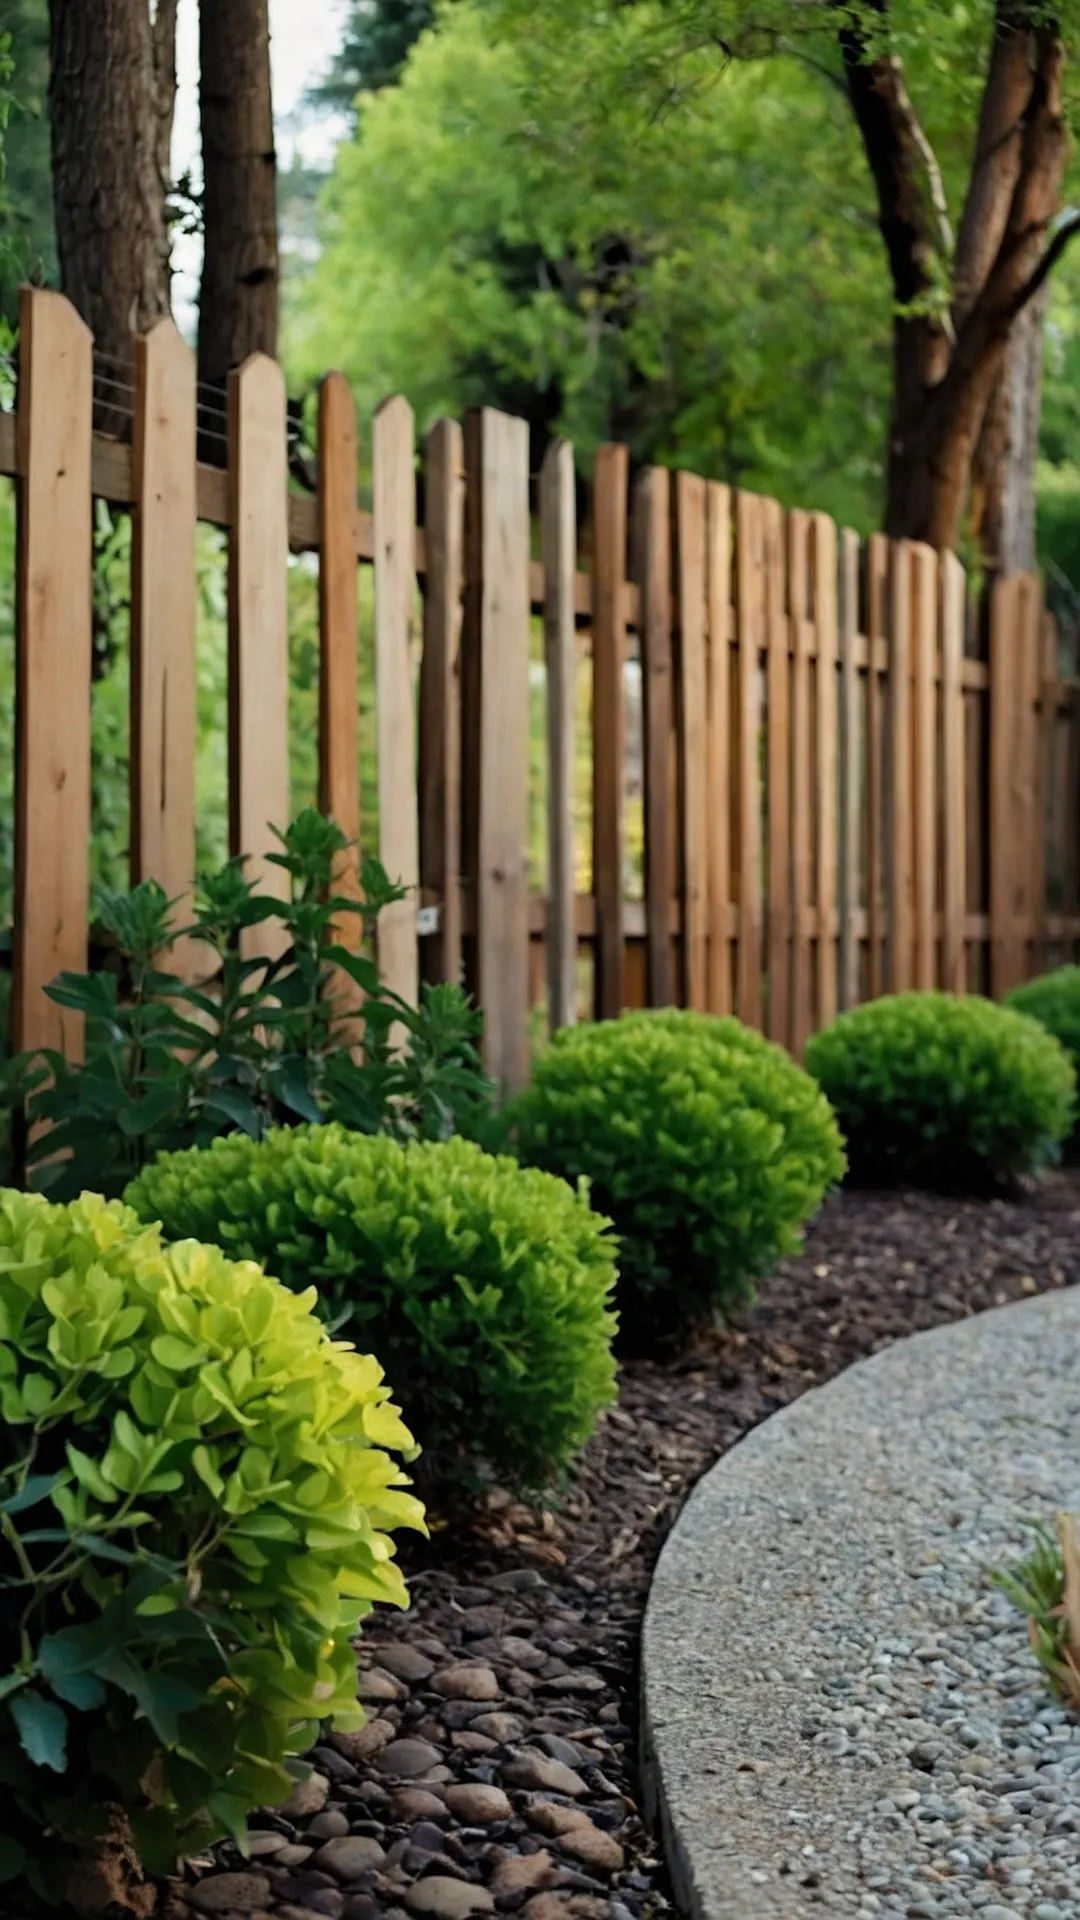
(440, 698)
(52, 668)
(259, 787)
(778, 782)
(495, 670)
(339, 699)
(653, 543)
(827, 764)
(558, 544)
(692, 736)
(877, 623)
(394, 494)
(163, 626)
(609, 719)
(1015, 614)
(802, 797)
(924, 584)
(718, 798)
(952, 592)
(850, 820)
(750, 576)
(901, 839)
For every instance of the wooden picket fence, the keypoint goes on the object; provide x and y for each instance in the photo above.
(855, 780)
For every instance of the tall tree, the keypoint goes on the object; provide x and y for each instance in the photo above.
(238, 301)
(990, 74)
(108, 193)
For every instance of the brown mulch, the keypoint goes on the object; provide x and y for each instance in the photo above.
(516, 1669)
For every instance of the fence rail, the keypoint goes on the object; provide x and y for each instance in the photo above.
(839, 795)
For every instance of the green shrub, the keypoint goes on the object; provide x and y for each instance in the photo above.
(194, 1514)
(944, 1092)
(706, 1145)
(485, 1286)
(1054, 1001)
(257, 1042)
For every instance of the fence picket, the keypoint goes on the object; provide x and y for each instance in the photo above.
(718, 776)
(802, 798)
(339, 699)
(259, 788)
(778, 776)
(440, 698)
(849, 708)
(877, 627)
(924, 629)
(609, 720)
(692, 736)
(393, 453)
(901, 863)
(953, 776)
(558, 543)
(163, 625)
(52, 667)
(653, 511)
(495, 680)
(828, 764)
(1014, 665)
(751, 622)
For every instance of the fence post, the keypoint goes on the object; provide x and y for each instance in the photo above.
(52, 667)
(495, 717)
(951, 598)
(924, 628)
(849, 768)
(802, 796)
(259, 785)
(778, 781)
(750, 578)
(900, 864)
(828, 780)
(558, 543)
(1015, 663)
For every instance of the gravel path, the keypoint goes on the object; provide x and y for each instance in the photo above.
(842, 1716)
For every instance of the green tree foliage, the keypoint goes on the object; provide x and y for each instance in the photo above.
(376, 42)
(683, 281)
(27, 196)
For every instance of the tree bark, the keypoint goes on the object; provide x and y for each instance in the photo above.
(950, 357)
(1003, 468)
(238, 301)
(111, 233)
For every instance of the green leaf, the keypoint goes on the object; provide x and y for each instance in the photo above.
(42, 1729)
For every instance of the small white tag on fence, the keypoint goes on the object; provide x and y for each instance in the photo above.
(427, 920)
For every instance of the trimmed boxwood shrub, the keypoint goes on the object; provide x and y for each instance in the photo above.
(707, 1146)
(944, 1091)
(486, 1287)
(1053, 999)
(196, 1507)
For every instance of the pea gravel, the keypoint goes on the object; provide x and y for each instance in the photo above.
(840, 1714)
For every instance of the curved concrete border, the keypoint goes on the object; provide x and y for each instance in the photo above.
(794, 1550)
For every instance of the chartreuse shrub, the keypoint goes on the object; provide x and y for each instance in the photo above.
(706, 1145)
(944, 1091)
(1053, 999)
(485, 1286)
(196, 1502)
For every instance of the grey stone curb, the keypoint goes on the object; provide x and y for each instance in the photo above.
(805, 1541)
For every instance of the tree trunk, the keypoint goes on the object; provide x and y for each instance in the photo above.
(238, 301)
(111, 233)
(1003, 469)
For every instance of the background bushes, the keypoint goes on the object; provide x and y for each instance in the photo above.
(1053, 999)
(944, 1091)
(196, 1500)
(705, 1144)
(486, 1286)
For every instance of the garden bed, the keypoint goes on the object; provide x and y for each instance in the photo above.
(500, 1764)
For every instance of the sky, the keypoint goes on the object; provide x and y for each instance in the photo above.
(303, 36)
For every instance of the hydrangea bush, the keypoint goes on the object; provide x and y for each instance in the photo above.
(707, 1146)
(487, 1286)
(197, 1494)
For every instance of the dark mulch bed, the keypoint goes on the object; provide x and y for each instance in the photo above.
(513, 1681)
